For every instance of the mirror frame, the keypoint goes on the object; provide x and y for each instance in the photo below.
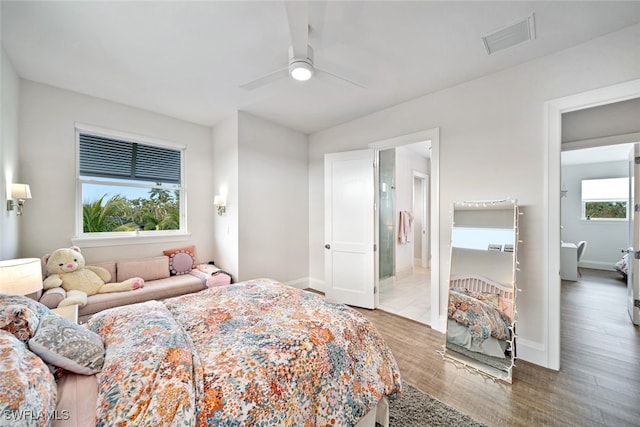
(502, 283)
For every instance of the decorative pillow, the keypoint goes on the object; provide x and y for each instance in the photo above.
(181, 262)
(21, 315)
(148, 268)
(506, 306)
(67, 345)
(189, 249)
(489, 298)
(27, 388)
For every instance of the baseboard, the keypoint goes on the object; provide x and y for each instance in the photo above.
(440, 325)
(596, 265)
(532, 352)
(316, 284)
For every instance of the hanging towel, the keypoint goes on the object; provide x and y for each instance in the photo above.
(405, 227)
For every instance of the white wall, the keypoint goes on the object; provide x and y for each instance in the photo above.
(619, 118)
(492, 133)
(273, 205)
(263, 168)
(48, 163)
(9, 101)
(224, 165)
(406, 163)
(605, 239)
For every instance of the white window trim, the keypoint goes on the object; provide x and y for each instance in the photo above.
(83, 239)
(128, 239)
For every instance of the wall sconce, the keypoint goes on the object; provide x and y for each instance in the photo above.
(21, 192)
(221, 204)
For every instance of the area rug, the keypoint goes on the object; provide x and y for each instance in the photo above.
(417, 409)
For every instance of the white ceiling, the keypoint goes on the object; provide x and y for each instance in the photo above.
(188, 59)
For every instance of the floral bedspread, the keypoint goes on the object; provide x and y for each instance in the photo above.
(257, 353)
(479, 313)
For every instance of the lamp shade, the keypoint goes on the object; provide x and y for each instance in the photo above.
(20, 191)
(20, 276)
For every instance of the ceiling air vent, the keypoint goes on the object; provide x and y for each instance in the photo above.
(512, 35)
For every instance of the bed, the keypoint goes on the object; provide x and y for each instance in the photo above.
(480, 315)
(622, 266)
(253, 353)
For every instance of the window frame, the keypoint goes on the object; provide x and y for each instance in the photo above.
(584, 201)
(93, 239)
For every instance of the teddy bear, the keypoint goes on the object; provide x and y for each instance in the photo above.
(65, 267)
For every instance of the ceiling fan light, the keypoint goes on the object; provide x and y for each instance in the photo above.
(301, 70)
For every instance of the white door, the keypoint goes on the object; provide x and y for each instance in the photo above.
(349, 215)
(633, 275)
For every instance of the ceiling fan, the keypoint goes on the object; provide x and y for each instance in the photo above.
(301, 66)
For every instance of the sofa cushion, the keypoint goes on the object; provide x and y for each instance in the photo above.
(52, 297)
(148, 268)
(157, 289)
(110, 266)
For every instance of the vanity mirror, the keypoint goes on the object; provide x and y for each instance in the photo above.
(482, 291)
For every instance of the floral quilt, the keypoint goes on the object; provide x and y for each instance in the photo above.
(480, 313)
(257, 353)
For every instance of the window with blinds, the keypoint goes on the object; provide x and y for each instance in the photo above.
(129, 185)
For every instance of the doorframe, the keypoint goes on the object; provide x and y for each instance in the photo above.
(549, 355)
(438, 321)
(424, 215)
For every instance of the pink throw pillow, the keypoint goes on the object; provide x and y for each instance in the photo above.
(181, 262)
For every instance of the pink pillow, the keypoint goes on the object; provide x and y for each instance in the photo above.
(148, 269)
(181, 262)
(190, 249)
(506, 306)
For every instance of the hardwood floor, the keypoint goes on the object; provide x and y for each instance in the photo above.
(598, 383)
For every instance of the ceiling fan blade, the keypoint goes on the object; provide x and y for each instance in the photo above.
(344, 79)
(264, 80)
(298, 17)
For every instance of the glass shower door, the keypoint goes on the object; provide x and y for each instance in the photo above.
(387, 161)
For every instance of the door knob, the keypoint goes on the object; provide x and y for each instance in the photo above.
(327, 246)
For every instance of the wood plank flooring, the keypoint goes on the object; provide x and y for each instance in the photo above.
(598, 383)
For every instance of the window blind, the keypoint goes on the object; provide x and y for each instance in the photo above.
(605, 189)
(112, 158)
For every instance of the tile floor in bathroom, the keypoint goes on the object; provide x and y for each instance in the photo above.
(408, 297)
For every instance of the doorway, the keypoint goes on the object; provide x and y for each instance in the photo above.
(403, 230)
(437, 307)
(549, 356)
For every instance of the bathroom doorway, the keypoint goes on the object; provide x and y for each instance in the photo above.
(404, 273)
